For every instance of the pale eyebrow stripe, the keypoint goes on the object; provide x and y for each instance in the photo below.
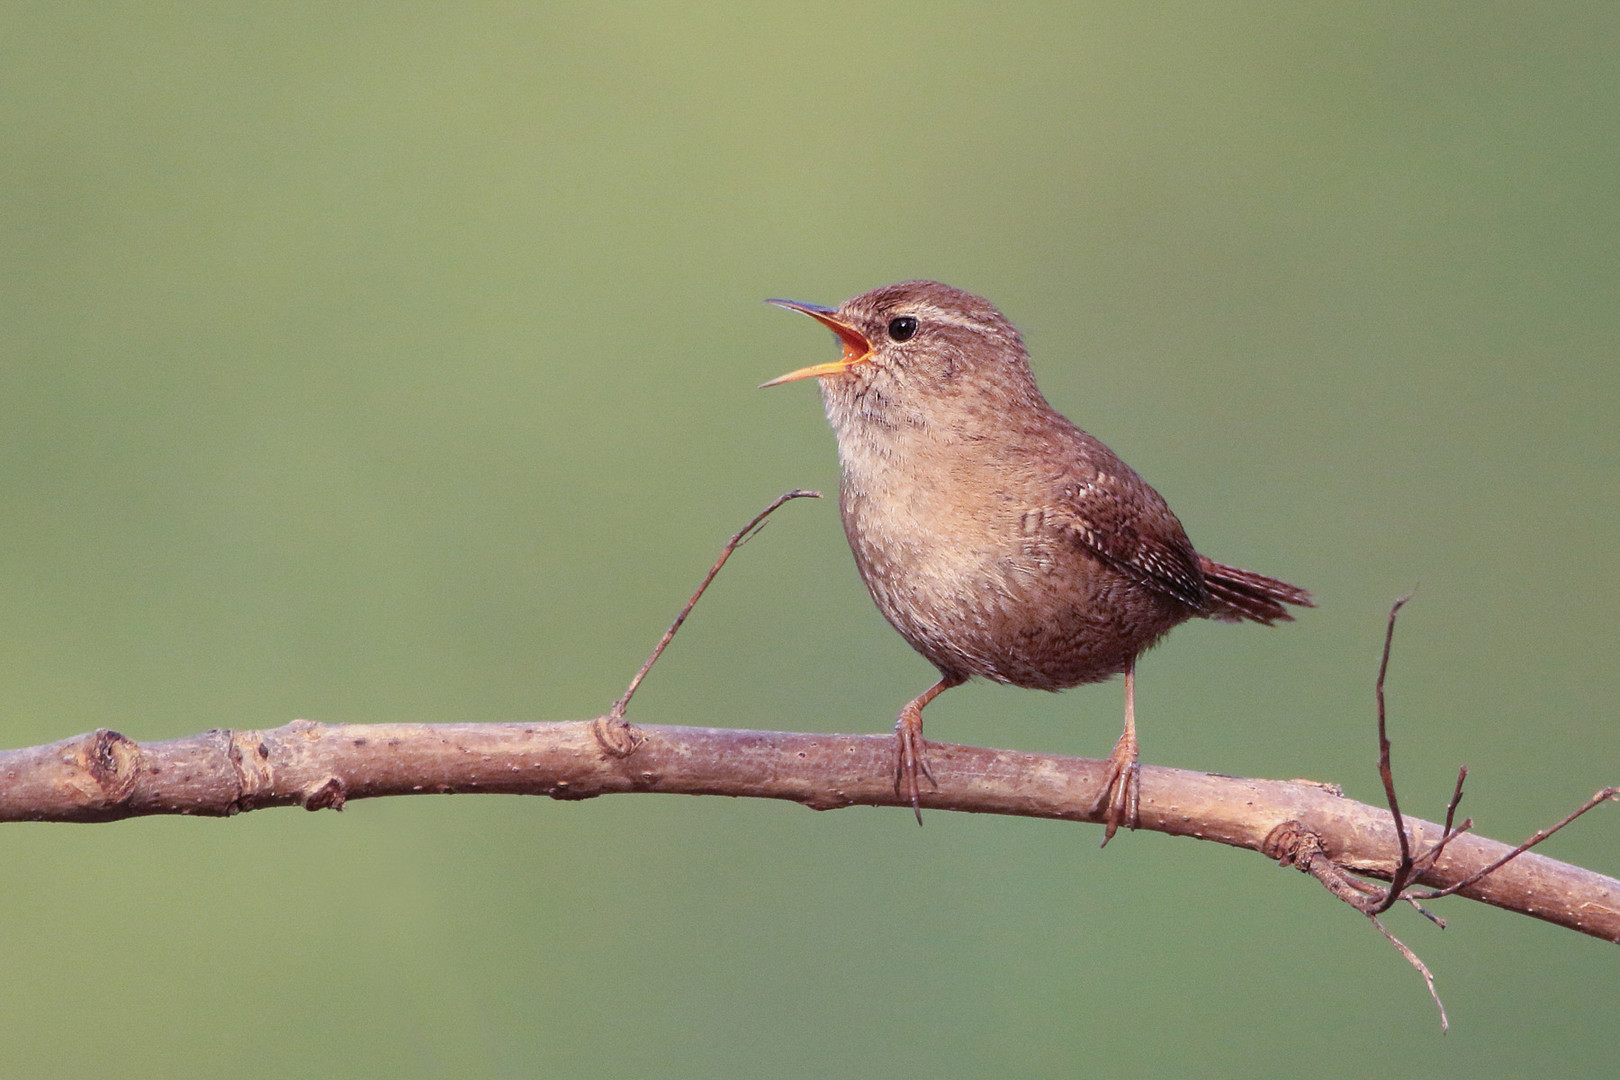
(934, 314)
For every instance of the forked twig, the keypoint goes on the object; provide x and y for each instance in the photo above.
(1404, 867)
(621, 739)
(1607, 794)
(1305, 850)
(1407, 869)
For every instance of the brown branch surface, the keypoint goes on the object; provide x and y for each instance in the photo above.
(104, 776)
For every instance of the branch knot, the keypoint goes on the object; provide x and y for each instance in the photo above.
(616, 735)
(111, 761)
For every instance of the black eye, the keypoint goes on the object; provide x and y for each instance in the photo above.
(902, 328)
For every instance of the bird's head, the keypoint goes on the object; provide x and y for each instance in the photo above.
(911, 345)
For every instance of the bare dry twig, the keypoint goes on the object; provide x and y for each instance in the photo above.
(616, 736)
(1407, 869)
(1608, 794)
(1372, 901)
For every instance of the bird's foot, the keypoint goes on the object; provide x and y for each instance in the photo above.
(911, 758)
(1121, 793)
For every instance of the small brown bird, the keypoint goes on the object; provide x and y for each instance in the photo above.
(998, 538)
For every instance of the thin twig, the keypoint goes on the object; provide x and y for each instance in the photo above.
(1373, 901)
(1423, 969)
(621, 739)
(1403, 867)
(1605, 795)
(743, 535)
(1306, 851)
(1425, 912)
(1424, 863)
(1456, 799)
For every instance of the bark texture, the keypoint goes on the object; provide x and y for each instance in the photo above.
(104, 776)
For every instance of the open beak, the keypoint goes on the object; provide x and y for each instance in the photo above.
(856, 348)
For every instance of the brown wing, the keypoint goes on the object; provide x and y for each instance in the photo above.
(1116, 516)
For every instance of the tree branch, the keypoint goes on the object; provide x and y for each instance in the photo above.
(104, 776)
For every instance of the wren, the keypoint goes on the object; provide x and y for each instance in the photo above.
(999, 539)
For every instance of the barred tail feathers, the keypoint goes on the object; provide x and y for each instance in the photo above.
(1242, 595)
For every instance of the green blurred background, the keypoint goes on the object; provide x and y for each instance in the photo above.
(398, 362)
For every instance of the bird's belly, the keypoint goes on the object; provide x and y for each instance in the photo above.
(980, 598)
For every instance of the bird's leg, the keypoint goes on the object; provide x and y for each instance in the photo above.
(910, 757)
(1121, 792)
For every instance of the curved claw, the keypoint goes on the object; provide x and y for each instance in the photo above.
(911, 758)
(910, 752)
(1121, 790)
(1121, 793)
